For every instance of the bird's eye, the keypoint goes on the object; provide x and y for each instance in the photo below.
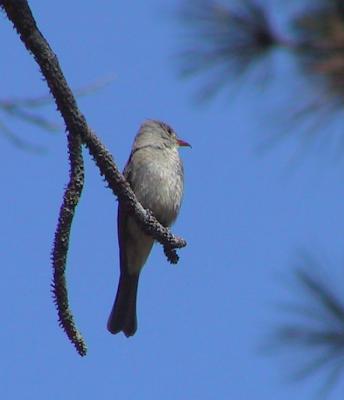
(169, 130)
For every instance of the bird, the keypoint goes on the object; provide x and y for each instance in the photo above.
(155, 173)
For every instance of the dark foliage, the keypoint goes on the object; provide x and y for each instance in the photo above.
(226, 40)
(223, 41)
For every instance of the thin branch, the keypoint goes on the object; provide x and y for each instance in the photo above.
(19, 142)
(43, 100)
(12, 109)
(315, 339)
(21, 108)
(61, 243)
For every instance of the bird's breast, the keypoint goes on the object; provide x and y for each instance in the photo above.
(158, 183)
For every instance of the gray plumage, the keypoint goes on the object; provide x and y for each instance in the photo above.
(155, 173)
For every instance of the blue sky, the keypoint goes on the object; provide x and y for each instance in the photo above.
(245, 217)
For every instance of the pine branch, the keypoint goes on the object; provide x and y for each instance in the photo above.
(224, 41)
(315, 337)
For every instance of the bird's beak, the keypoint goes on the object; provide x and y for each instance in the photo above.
(182, 143)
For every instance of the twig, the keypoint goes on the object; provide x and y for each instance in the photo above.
(61, 243)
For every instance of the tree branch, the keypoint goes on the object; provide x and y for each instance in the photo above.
(18, 11)
(61, 243)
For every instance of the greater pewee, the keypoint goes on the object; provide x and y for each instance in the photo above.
(155, 173)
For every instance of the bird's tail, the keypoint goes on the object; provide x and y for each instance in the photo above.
(123, 313)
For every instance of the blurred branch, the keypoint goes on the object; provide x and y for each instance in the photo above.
(315, 340)
(322, 54)
(15, 108)
(223, 40)
(78, 132)
(232, 39)
(18, 142)
(20, 109)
